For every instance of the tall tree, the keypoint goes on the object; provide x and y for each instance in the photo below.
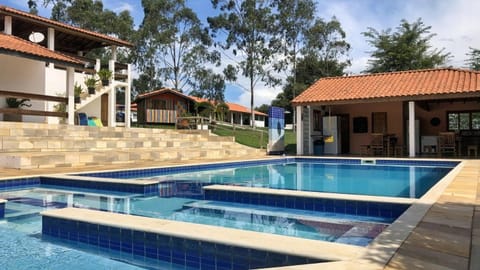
(325, 42)
(473, 61)
(324, 54)
(247, 27)
(210, 86)
(173, 41)
(406, 49)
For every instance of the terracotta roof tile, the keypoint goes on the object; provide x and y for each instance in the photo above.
(405, 84)
(231, 106)
(17, 45)
(161, 91)
(9, 10)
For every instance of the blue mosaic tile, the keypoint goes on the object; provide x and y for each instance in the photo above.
(19, 183)
(2, 210)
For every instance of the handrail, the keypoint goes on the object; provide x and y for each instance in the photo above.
(33, 96)
(36, 97)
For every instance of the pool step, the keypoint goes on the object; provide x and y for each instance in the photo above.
(35, 145)
(303, 215)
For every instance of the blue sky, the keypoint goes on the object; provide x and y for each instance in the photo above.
(456, 23)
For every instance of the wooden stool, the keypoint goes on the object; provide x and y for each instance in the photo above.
(473, 149)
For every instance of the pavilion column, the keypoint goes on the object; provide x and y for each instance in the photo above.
(128, 97)
(70, 95)
(241, 119)
(299, 131)
(231, 118)
(411, 129)
(51, 42)
(112, 101)
(7, 28)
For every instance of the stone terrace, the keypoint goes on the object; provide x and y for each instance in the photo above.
(32, 145)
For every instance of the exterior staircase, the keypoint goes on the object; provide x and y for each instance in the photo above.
(34, 145)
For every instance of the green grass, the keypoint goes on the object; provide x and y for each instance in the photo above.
(257, 138)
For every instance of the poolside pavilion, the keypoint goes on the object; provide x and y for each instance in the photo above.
(442, 102)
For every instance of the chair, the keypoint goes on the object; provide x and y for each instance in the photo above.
(377, 145)
(82, 119)
(446, 143)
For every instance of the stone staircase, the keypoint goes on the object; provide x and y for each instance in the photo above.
(34, 145)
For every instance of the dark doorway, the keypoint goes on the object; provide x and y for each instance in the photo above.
(345, 132)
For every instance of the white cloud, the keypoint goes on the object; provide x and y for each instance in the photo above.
(119, 7)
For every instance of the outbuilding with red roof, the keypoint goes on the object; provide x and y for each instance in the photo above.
(440, 103)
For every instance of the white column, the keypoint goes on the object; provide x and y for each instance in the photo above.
(114, 52)
(241, 119)
(7, 25)
(51, 42)
(51, 39)
(411, 128)
(299, 131)
(112, 100)
(98, 65)
(128, 97)
(70, 95)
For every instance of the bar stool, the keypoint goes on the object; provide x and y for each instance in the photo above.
(472, 149)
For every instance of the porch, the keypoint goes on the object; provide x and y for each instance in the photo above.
(369, 115)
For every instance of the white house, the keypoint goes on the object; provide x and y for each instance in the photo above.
(42, 60)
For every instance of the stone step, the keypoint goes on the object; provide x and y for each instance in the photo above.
(74, 159)
(45, 145)
(33, 145)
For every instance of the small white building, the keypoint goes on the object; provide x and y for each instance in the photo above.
(42, 60)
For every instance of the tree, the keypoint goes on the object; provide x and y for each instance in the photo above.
(309, 70)
(247, 26)
(145, 82)
(325, 42)
(406, 49)
(473, 62)
(209, 85)
(172, 41)
(91, 15)
(324, 54)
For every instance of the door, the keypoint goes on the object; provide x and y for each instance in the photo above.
(344, 130)
(104, 110)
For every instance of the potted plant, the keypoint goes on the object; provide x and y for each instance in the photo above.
(104, 75)
(15, 103)
(77, 90)
(91, 82)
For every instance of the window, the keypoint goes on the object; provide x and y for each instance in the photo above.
(360, 125)
(317, 120)
(157, 104)
(463, 120)
(379, 122)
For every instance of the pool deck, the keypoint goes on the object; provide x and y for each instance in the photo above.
(447, 236)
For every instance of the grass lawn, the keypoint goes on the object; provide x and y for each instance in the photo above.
(257, 138)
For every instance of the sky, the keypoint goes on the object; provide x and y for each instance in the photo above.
(455, 23)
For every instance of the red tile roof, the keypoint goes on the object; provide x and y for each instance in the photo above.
(16, 12)
(234, 107)
(403, 85)
(161, 91)
(10, 44)
(231, 106)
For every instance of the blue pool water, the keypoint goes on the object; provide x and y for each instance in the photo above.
(377, 180)
(180, 197)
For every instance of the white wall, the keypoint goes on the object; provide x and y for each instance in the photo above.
(56, 85)
(23, 75)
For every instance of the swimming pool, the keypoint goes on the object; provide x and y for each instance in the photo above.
(386, 178)
(182, 198)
